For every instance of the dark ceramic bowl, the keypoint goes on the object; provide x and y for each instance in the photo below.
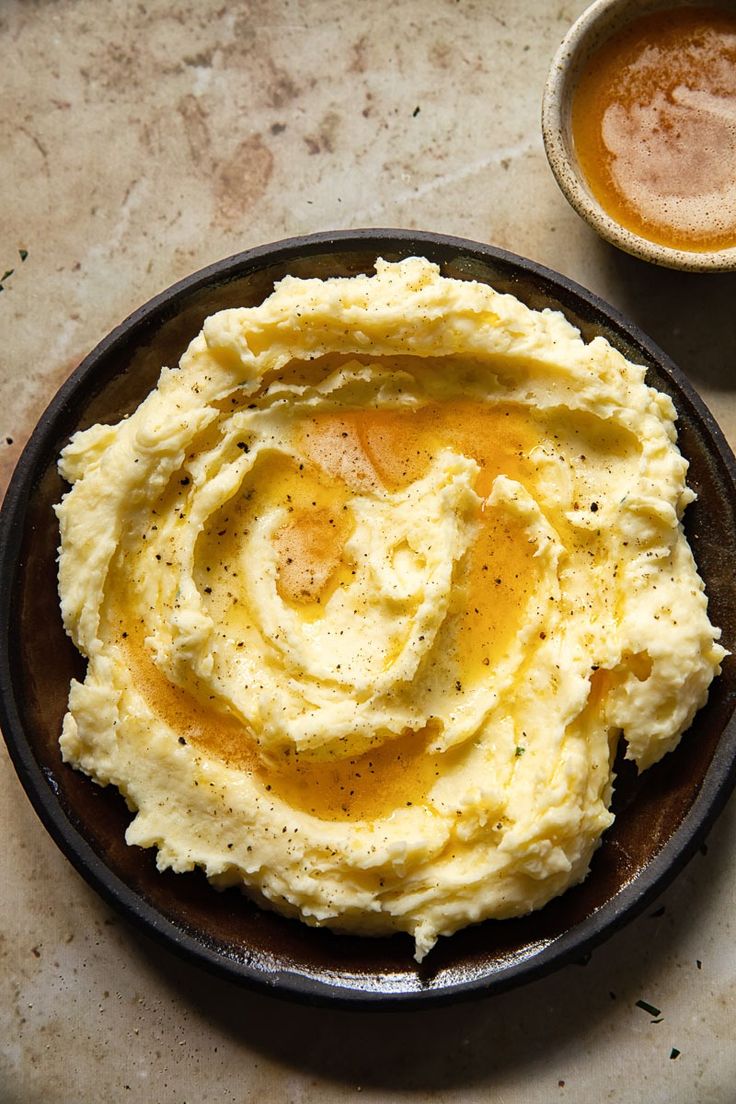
(661, 817)
(597, 23)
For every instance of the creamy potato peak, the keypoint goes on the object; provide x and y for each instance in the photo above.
(369, 588)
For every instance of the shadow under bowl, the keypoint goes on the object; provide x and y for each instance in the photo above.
(661, 816)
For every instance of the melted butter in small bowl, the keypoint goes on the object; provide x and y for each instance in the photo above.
(639, 123)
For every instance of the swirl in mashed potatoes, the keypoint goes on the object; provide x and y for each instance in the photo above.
(369, 588)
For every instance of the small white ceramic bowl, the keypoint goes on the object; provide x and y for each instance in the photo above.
(597, 23)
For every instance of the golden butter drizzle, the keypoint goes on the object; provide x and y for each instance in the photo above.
(397, 446)
(394, 775)
(348, 452)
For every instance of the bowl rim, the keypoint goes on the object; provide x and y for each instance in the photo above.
(39, 784)
(581, 39)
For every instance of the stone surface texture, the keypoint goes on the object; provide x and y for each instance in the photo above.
(140, 141)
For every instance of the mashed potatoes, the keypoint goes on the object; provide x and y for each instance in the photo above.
(369, 587)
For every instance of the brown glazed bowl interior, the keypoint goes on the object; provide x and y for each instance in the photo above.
(661, 816)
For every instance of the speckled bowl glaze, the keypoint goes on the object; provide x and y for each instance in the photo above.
(597, 23)
(661, 816)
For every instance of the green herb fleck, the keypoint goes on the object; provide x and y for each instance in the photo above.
(675, 1053)
(22, 253)
(8, 272)
(648, 1007)
(519, 752)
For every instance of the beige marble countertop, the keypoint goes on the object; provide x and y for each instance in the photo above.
(140, 141)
